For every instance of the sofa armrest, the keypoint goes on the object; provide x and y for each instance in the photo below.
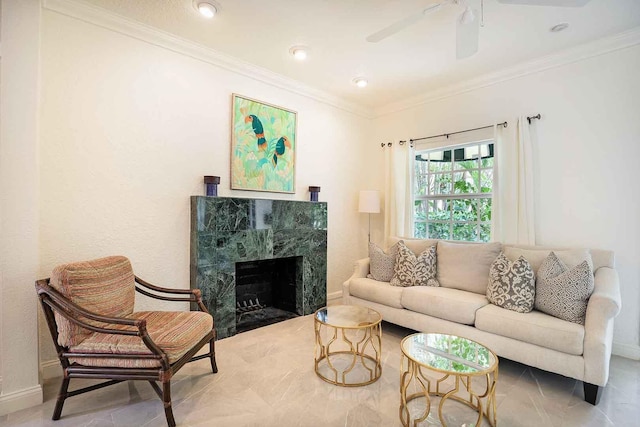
(604, 305)
(360, 269)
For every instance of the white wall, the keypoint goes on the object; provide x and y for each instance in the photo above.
(587, 157)
(128, 129)
(18, 204)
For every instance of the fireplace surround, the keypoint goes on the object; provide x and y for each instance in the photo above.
(229, 230)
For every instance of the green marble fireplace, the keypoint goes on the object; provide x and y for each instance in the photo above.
(229, 230)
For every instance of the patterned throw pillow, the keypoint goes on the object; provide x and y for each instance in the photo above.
(512, 285)
(415, 271)
(561, 292)
(381, 264)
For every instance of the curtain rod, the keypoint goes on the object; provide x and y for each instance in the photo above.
(504, 124)
(537, 116)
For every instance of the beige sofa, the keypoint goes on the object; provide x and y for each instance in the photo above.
(535, 338)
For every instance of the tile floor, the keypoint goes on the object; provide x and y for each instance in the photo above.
(266, 378)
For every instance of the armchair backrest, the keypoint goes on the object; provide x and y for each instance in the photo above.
(105, 286)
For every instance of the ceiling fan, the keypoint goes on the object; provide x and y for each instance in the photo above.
(467, 23)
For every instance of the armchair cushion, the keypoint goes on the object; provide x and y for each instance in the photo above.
(104, 286)
(175, 332)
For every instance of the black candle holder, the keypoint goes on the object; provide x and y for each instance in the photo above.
(211, 185)
(313, 192)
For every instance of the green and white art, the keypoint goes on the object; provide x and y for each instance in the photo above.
(263, 146)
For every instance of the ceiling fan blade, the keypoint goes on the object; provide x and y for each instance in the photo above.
(467, 36)
(558, 3)
(401, 25)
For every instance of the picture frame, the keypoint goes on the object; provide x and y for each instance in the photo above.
(263, 146)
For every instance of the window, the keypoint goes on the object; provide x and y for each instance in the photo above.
(452, 192)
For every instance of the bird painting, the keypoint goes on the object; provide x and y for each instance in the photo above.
(263, 146)
(258, 129)
(279, 149)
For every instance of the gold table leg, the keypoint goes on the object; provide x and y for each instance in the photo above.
(364, 352)
(484, 404)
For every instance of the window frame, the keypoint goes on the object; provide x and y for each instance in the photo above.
(452, 196)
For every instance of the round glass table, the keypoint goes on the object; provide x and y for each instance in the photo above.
(348, 345)
(428, 362)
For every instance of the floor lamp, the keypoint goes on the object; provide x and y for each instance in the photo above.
(369, 203)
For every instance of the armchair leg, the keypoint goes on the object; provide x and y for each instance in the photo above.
(166, 400)
(62, 395)
(212, 350)
(592, 393)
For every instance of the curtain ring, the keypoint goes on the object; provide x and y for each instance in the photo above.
(401, 142)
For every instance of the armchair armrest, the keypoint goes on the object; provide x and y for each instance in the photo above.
(192, 295)
(74, 313)
(604, 305)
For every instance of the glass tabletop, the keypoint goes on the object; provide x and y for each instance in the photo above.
(348, 316)
(449, 353)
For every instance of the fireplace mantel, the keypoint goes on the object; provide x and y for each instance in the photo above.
(226, 230)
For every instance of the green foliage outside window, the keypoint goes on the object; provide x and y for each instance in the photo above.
(442, 180)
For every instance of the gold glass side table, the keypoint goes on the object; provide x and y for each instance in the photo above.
(348, 345)
(447, 356)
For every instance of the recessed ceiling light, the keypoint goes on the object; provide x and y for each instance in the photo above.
(207, 8)
(560, 27)
(299, 52)
(360, 81)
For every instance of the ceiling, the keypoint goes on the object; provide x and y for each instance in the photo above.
(419, 59)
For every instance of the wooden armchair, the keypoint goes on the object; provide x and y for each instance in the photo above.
(89, 310)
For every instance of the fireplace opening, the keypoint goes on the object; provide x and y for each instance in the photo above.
(265, 292)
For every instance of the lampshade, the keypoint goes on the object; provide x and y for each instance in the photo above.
(369, 201)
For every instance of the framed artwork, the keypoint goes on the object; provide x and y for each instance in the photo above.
(263, 146)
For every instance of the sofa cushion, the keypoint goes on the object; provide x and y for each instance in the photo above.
(380, 263)
(175, 332)
(465, 266)
(373, 290)
(533, 327)
(412, 270)
(103, 286)
(512, 285)
(564, 292)
(417, 246)
(448, 304)
(571, 257)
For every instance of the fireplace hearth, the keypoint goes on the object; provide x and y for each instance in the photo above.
(265, 292)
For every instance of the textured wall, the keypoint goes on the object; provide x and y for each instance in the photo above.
(18, 204)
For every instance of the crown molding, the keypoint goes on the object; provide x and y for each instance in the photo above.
(137, 30)
(105, 19)
(581, 52)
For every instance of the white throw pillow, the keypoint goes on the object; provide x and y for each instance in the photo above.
(412, 270)
(465, 266)
(561, 292)
(380, 263)
(512, 285)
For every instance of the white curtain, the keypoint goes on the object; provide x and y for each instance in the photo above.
(398, 211)
(512, 204)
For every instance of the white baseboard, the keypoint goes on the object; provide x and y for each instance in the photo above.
(50, 369)
(19, 400)
(334, 295)
(629, 351)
